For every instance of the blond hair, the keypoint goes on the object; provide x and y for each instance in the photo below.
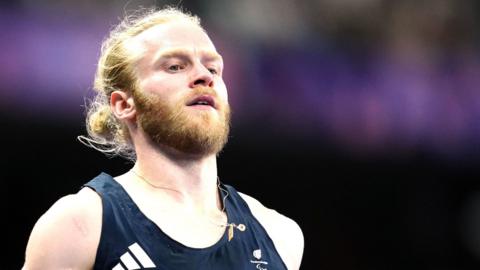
(115, 71)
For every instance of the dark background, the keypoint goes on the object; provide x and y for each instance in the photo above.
(360, 120)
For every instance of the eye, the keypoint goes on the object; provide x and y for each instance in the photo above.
(213, 71)
(175, 68)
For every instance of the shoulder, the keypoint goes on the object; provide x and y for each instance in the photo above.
(285, 233)
(67, 235)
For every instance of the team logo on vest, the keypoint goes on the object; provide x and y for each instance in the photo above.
(134, 258)
(260, 265)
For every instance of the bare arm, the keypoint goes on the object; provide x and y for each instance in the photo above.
(67, 235)
(284, 232)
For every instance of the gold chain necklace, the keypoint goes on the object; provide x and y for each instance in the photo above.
(240, 227)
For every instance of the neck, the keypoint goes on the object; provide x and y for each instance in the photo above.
(189, 181)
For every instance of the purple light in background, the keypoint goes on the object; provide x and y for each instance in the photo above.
(47, 62)
(375, 103)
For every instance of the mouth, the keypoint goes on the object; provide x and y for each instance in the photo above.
(203, 100)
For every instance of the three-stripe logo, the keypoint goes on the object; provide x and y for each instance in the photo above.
(128, 259)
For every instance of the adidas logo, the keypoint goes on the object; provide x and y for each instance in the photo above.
(135, 258)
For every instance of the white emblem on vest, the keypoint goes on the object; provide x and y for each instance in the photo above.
(257, 254)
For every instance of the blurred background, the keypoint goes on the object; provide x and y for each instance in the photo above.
(359, 119)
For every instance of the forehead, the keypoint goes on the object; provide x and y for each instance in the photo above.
(170, 36)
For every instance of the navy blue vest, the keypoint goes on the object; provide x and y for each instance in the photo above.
(129, 240)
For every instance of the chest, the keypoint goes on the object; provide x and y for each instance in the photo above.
(189, 229)
(243, 252)
(136, 233)
(204, 246)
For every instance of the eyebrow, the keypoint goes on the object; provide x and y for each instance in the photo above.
(182, 53)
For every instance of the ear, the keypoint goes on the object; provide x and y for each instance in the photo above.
(122, 105)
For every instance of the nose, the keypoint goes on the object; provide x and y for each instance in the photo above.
(201, 77)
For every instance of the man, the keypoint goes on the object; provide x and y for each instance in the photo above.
(161, 101)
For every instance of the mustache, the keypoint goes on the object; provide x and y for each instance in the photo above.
(203, 90)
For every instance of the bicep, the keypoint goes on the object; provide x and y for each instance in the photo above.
(63, 238)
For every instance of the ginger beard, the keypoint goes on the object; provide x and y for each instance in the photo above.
(191, 132)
